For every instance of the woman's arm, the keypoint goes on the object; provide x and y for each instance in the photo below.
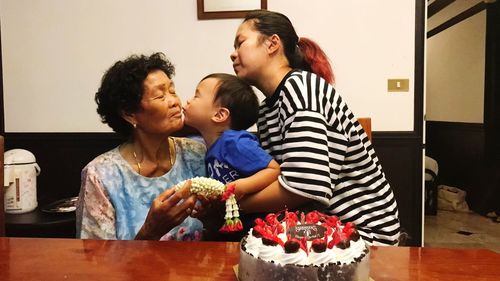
(257, 181)
(95, 215)
(272, 199)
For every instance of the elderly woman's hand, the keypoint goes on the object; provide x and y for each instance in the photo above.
(166, 212)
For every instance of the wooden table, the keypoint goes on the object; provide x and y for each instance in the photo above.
(72, 259)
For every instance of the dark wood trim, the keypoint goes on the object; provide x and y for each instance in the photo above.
(418, 107)
(202, 15)
(437, 6)
(400, 154)
(62, 156)
(459, 149)
(11, 139)
(458, 18)
(2, 109)
(492, 84)
(455, 125)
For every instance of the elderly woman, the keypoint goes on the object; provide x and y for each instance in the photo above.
(126, 192)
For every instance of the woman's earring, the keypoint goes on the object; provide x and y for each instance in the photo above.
(135, 125)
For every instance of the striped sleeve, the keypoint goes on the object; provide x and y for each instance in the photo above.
(312, 156)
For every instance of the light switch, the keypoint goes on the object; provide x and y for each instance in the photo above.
(398, 85)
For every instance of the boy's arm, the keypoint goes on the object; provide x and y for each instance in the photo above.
(257, 181)
(274, 198)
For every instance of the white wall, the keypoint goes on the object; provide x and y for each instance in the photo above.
(55, 51)
(455, 67)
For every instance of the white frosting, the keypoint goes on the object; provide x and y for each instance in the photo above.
(347, 256)
(256, 248)
(269, 253)
(343, 256)
(253, 245)
(299, 258)
(321, 258)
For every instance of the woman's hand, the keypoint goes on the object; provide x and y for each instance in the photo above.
(166, 212)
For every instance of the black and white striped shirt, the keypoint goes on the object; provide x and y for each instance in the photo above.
(325, 155)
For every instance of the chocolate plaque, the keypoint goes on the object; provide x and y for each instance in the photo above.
(309, 231)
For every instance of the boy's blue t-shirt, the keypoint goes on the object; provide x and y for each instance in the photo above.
(234, 155)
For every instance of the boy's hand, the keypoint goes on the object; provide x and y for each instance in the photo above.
(238, 192)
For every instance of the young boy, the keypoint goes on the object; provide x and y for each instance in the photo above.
(223, 107)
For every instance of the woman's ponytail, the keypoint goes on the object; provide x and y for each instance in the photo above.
(314, 59)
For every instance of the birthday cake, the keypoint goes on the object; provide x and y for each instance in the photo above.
(296, 246)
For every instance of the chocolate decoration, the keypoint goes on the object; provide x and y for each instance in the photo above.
(309, 231)
(291, 247)
(344, 244)
(256, 234)
(354, 235)
(269, 242)
(319, 247)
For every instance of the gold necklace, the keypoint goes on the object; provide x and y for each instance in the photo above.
(171, 150)
(137, 162)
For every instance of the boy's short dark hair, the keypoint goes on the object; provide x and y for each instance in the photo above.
(239, 98)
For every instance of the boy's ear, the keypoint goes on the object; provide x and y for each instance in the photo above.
(129, 117)
(221, 115)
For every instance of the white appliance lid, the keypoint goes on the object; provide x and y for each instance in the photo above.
(18, 156)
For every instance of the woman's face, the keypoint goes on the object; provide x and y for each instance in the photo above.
(160, 111)
(200, 108)
(250, 53)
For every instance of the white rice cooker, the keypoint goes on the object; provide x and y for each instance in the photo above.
(20, 171)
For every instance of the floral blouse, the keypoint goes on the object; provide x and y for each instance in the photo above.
(114, 199)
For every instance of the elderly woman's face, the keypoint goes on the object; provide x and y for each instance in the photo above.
(160, 111)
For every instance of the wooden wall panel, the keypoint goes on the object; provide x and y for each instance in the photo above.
(459, 149)
(401, 158)
(62, 157)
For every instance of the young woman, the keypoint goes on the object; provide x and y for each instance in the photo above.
(326, 159)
